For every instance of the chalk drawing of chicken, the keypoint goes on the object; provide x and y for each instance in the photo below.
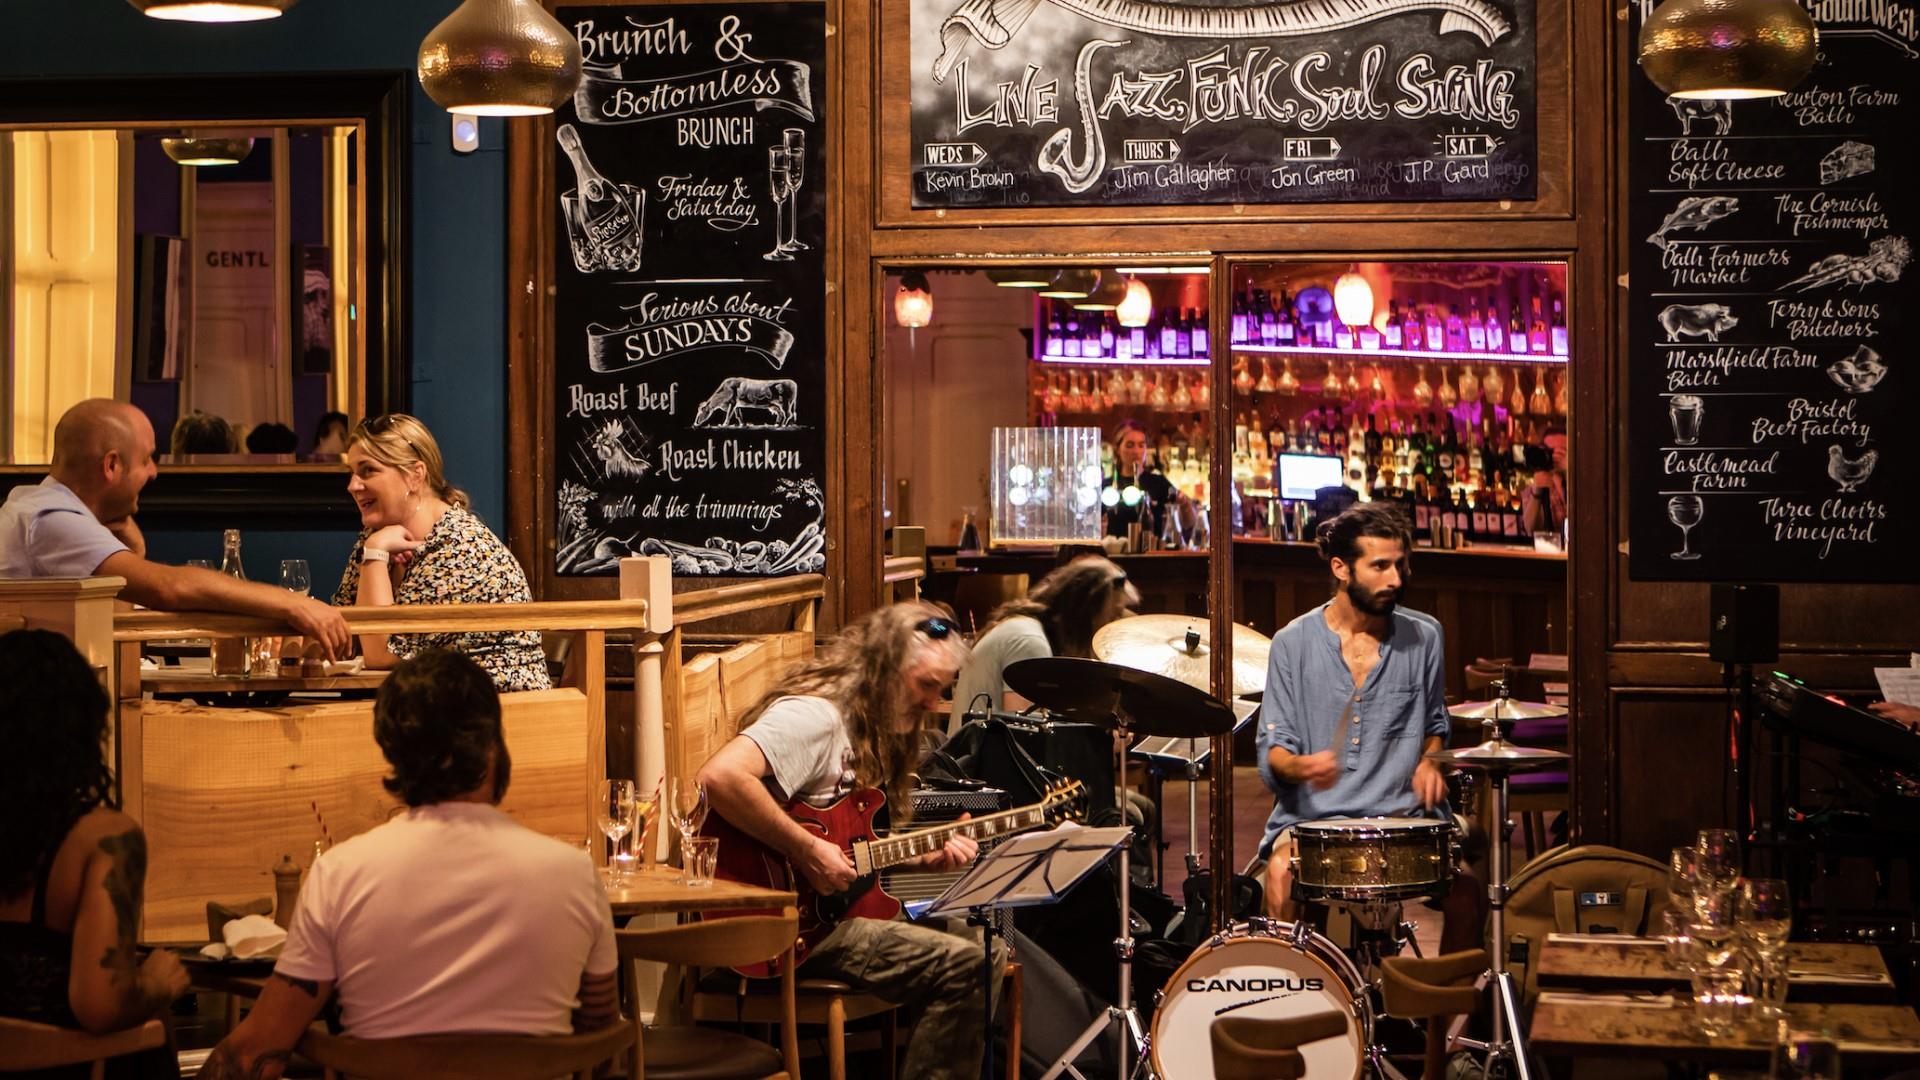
(616, 461)
(1850, 474)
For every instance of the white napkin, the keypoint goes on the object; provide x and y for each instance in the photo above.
(254, 937)
(1630, 999)
(1603, 939)
(344, 667)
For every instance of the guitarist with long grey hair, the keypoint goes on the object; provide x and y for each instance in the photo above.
(846, 722)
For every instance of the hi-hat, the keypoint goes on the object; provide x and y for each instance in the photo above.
(1096, 692)
(1498, 755)
(1177, 646)
(1503, 708)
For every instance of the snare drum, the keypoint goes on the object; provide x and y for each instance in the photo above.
(1371, 859)
(1267, 970)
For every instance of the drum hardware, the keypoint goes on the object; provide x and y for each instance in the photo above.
(1129, 701)
(1506, 1051)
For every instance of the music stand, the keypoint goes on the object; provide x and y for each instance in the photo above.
(1027, 871)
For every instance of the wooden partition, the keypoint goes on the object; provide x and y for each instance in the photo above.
(223, 794)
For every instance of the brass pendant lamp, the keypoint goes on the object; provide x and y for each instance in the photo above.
(499, 58)
(1019, 277)
(193, 149)
(1106, 295)
(1073, 283)
(212, 10)
(1728, 48)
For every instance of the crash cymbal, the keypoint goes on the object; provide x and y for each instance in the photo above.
(1092, 691)
(1505, 709)
(1177, 646)
(1498, 755)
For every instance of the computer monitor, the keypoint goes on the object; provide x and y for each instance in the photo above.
(1302, 475)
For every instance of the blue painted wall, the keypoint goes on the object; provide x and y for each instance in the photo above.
(457, 217)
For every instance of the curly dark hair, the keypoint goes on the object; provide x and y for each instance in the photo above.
(53, 722)
(1066, 603)
(437, 720)
(1338, 537)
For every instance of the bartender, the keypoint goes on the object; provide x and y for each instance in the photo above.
(1136, 491)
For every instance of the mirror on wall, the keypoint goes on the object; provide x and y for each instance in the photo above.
(208, 274)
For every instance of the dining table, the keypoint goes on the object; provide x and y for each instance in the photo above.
(1831, 972)
(1641, 1025)
(657, 889)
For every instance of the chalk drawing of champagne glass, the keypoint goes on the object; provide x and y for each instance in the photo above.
(780, 179)
(794, 142)
(1686, 512)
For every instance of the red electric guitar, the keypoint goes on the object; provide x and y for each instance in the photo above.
(857, 824)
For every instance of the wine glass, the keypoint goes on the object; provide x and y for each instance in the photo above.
(294, 576)
(1686, 512)
(1719, 861)
(1766, 914)
(689, 806)
(615, 811)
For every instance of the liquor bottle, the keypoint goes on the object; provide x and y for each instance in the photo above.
(1071, 341)
(1240, 433)
(1367, 338)
(1169, 335)
(1090, 337)
(602, 228)
(1402, 450)
(1537, 329)
(1293, 443)
(1237, 329)
(1372, 440)
(1199, 337)
(1055, 338)
(1342, 336)
(1516, 332)
(1323, 332)
(1476, 329)
(1435, 330)
(1137, 342)
(1323, 441)
(232, 655)
(1269, 321)
(1182, 334)
(1391, 332)
(1285, 331)
(1415, 335)
(1257, 438)
(1106, 335)
(1456, 330)
(1496, 333)
(1558, 333)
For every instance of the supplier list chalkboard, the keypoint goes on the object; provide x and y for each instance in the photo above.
(1172, 102)
(690, 282)
(1771, 320)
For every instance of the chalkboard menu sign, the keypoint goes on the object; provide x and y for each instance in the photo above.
(1771, 313)
(1096, 102)
(690, 270)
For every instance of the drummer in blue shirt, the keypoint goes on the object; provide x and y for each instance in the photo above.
(1355, 697)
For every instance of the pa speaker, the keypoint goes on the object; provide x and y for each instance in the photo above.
(1745, 627)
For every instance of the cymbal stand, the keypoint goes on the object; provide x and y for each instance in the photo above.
(1132, 1032)
(1506, 1051)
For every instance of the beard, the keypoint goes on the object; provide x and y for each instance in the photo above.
(1370, 602)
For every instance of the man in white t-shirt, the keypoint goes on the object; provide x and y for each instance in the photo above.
(78, 522)
(450, 918)
(850, 719)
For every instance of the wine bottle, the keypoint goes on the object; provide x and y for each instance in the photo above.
(232, 655)
(1558, 332)
(1391, 332)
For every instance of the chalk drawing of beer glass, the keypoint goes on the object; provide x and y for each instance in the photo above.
(1685, 412)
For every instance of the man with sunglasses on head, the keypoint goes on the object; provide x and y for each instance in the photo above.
(78, 522)
(1355, 697)
(849, 720)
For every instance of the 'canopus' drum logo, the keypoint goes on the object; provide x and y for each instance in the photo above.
(1255, 986)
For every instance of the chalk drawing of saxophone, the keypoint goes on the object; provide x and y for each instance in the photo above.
(993, 23)
(1078, 177)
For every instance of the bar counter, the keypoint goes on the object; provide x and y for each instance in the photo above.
(1492, 602)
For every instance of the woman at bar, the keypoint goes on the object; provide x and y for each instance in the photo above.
(72, 868)
(421, 544)
(1137, 491)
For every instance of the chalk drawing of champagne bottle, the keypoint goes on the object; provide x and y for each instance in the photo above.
(604, 219)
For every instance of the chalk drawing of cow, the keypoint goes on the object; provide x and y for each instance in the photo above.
(722, 407)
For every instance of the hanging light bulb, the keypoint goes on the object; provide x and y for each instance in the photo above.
(190, 149)
(212, 11)
(1728, 48)
(499, 58)
(1106, 294)
(1137, 308)
(1353, 300)
(913, 303)
(1019, 277)
(1072, 283)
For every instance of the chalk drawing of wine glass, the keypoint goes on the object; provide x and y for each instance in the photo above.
(794, 142)
(780, 179)
(1686, 512)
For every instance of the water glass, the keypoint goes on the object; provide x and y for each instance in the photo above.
(1720, 1005)
(294, 576)
(1718, 867)
(1766, 914)
(1806, 1055)
(1767, 985)
(1683, 874)
(698, 856)
(1673, 931)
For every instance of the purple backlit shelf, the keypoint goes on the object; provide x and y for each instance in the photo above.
(1401, 354)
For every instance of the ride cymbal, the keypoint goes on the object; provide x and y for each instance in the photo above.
(1178, 647)
(1093, 691)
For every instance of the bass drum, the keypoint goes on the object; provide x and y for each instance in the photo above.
(1261, 969)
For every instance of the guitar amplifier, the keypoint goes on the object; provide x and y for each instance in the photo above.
(932, 806)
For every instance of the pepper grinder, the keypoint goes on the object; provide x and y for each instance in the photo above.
(286, 891)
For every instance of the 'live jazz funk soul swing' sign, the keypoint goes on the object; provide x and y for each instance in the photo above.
(1770, 318)
(1095, 102)
(690, 359)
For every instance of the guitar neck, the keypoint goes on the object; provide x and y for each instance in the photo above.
(891, 851)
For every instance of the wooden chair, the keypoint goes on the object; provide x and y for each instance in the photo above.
(1434, 989)
(730, 998)
(673, 1052)
(1250, 1048)
(26, 1046)
(465, 1057)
